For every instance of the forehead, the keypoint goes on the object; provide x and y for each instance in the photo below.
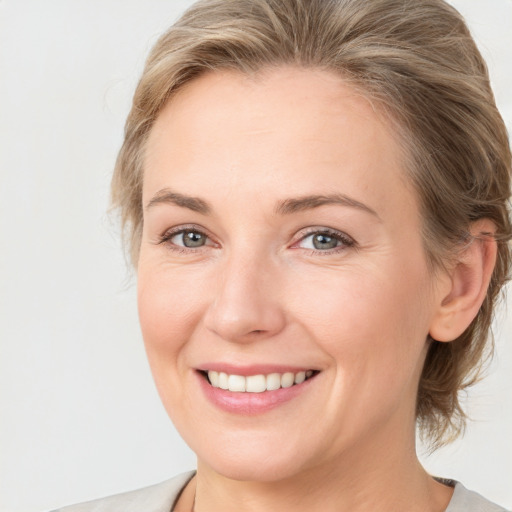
(306, 128)
(287, 100)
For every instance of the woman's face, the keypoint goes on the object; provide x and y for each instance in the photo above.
(281, 237)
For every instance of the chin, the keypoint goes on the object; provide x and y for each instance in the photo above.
(256, 461)
(255, 471)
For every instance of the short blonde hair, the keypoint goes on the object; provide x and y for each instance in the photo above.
(417, 60)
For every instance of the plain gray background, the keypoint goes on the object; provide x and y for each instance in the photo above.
(79, 414)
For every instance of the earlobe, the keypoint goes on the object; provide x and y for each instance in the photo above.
(460, 301)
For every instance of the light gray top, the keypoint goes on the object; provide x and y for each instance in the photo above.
(162, 497)
(470, 501)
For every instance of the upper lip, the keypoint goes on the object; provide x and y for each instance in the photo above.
(252, 369)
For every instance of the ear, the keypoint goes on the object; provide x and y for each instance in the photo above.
(466, 285)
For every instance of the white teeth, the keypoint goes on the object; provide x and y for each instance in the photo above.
(300, 377)
(236, 383)
(223, 380)
(214, 378)
(287, 380)
(257, 383)
(273, 381)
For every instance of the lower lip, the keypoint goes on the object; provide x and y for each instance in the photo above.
(250, 404)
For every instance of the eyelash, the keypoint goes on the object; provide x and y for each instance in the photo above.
(345, 240)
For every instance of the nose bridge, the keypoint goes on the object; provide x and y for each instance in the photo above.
(245, 304)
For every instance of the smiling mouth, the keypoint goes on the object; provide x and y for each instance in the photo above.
(257, 383)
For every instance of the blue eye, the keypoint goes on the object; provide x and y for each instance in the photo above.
(320, 241)
(189, 238)
(325, 241)
(185, 238)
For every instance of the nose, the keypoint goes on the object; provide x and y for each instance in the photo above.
(245, 305)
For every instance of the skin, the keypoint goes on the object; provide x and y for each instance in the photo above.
(258, 292)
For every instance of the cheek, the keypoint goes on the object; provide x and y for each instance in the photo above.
(168, 305)
(373, 321)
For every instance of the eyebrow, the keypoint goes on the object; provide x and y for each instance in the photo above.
(315, 201)
(286, 207)
(167, 196)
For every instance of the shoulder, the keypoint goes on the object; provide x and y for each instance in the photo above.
(464, 500)
(156, 498)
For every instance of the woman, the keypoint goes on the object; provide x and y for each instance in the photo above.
(315, 196)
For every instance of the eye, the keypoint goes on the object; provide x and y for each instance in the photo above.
(185, 238)
(325, 240)
(189, 238)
